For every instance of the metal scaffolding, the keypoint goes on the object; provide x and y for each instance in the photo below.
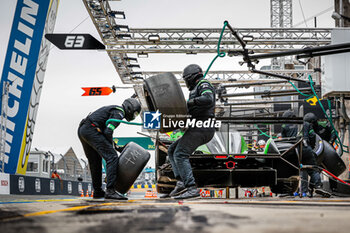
(235, 76)
(124, 45)
(281, 13)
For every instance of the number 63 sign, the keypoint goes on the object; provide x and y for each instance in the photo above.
(74, 41)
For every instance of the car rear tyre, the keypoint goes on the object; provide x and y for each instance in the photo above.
(286, 186)
(163, 93)
(332, 162)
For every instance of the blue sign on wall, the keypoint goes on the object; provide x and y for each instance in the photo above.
(19, 70)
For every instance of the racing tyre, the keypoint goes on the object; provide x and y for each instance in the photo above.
(163, 93)
(286, 186)
(132, 160)
(332, 161)
(319, 148)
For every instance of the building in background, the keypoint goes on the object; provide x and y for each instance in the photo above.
(69, 167)
(42, 163)
(39, 164)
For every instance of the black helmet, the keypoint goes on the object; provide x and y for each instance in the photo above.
(132, 108)
(289, 113)
(310, 117)
(191, 74)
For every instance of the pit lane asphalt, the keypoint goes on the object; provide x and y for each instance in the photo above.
(271, 214)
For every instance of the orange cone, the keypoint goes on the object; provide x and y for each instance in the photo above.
(82, 193)
(148, 194)
(92, 193)
(154, 194)
(87, 193)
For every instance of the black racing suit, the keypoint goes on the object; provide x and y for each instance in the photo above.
(289, 130)
(201, 106)
(325, 131)
(97, 139)
(308, 158)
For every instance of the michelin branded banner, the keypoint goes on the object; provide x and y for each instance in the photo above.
(24, 69)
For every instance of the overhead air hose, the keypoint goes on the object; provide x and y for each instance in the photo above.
(306, 95)
(263, 133)
(325, 113)
(223, 54)
(219, 54)
(329, 118)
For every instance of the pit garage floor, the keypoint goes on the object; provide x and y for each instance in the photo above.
(270, 214)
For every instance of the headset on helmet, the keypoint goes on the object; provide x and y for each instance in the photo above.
(132, 108)
(191, 74)
(310, 117)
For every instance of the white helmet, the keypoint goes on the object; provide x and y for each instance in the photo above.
(261, 142)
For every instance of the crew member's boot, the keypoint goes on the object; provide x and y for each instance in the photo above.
(191, 192)
(112, 194)
(179, 189)
(99, 194)
(319, 190)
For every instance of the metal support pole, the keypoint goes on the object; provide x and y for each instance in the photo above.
(248, 109)
(341, 20)
(315, 22)
(262, 120)
(269, 93)
(304, 51)
(228, 139)
(227, 192)
(349, 149)
(65, 166)
(264, 102)
(278, 76)
(52, 162)
(323, 53)
(235, 34)
(253, 84)
(255, 114)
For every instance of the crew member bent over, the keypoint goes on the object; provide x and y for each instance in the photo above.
(289, 130)
(96, 135)
(201, 106)
(310, 129)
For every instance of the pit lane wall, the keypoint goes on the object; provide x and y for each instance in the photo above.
(24, 69)
(30, 185)
(4, 183)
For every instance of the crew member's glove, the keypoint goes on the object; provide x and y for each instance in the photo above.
(305, 143)
(190, 103)
(118, 148)
(108, 134)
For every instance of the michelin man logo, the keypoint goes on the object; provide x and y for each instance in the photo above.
(37, 185)
(21, 184)
(151, 120)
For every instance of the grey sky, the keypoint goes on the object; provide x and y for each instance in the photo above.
(62, 106)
